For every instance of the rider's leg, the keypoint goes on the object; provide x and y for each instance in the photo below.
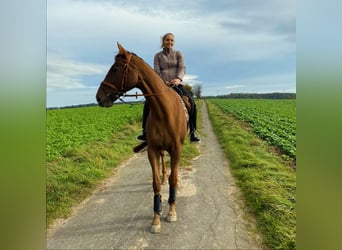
(192, 115)
(145, 114)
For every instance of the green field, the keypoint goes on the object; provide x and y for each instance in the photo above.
(272, 120)
(68, 129)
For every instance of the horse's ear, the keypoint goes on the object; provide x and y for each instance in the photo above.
(122, 51)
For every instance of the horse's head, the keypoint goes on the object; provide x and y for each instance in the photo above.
(121, 77)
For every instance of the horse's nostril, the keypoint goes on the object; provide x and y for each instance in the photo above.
(98, 99)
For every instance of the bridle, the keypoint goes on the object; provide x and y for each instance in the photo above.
(122, 92)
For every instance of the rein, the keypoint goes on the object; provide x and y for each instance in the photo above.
(133, 95)
(123, 84)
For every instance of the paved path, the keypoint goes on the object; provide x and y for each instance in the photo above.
(119, 215)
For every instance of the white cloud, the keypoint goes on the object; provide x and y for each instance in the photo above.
(234, 86)
(191, 79)
(64, 73)
(281, 82)
(265, 83)
(211, 37)
(269, 79)
(235, 35)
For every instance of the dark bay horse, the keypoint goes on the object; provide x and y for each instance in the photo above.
(166, 126)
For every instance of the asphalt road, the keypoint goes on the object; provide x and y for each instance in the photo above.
(210, 214)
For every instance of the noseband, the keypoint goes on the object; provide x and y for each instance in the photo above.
(122, 91)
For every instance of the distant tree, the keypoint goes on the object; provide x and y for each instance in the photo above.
(188, 88)
(197, 90)
(275, 95)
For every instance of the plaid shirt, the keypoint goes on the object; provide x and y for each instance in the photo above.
(169, 64)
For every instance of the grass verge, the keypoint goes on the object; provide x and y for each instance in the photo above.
(268, 186)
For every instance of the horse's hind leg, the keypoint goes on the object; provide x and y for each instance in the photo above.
(153, 156)
(164, 172)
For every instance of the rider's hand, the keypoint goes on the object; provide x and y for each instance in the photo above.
(168, 83)
(176, 81)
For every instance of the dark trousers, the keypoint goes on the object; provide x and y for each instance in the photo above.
(192, 114)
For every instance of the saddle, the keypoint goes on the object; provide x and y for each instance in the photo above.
(186, 98)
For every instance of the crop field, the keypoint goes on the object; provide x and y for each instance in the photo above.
(272, 120)
(83, 146)
(69, 128)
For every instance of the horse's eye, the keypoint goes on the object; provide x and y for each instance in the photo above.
(114, 68)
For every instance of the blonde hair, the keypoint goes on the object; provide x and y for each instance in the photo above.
(164, 37)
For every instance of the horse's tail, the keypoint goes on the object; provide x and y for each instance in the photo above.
(140, 147)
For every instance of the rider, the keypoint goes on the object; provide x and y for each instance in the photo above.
(169, 65)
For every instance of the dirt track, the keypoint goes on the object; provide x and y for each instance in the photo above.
(118, 216)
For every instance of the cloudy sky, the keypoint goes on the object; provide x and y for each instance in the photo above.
(230, 46)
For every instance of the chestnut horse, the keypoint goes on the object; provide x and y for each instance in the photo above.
(166, 125)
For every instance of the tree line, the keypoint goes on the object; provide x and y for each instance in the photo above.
(196, 91)
(275, 95)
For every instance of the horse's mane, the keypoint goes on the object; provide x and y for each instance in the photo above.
(119, 56)
(122, 58)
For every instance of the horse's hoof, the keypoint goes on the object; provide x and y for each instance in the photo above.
(155, 229)
(171, 217)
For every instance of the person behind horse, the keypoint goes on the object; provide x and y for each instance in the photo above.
(169, 65)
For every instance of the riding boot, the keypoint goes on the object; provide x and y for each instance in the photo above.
(193, 138)
(193, 124)
(146, 110)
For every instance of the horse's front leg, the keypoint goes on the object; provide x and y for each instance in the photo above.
(173, 179)
(164, 172)
(153, 156)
